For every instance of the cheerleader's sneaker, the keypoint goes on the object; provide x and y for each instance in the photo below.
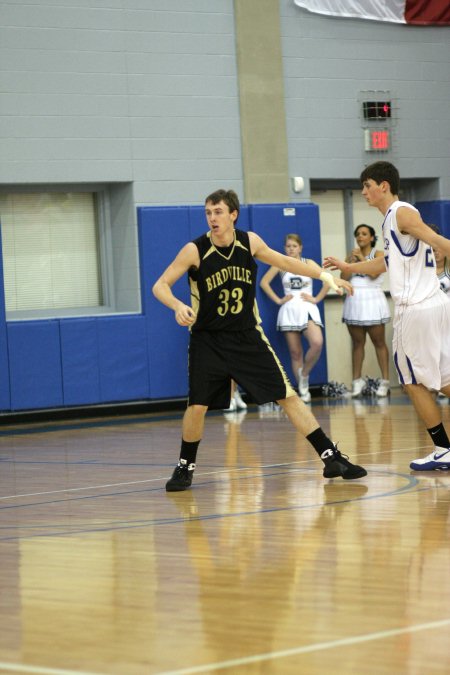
(232, 407)
(240, 403)
(357, 386)
(438, 460)
(303, 387)
(383, 388)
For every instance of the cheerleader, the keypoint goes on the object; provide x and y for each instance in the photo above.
(366, 311)
(298, 314)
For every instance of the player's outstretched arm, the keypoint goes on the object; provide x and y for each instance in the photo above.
(262, 252)
(338, 285)
(373, 267)
(162, 289)
(410, 222)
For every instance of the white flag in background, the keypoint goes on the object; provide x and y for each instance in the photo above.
(418, 12)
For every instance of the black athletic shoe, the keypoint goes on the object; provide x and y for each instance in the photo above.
(181, 478)
(337, 465)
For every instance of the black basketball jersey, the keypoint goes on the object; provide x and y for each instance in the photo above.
(224, 285)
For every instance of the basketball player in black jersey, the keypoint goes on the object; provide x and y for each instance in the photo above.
(227, 341)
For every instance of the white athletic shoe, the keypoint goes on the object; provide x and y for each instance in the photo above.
(240, 404)
(357, 386)
(303, 386)
(438, 459)
(236, 417)
(383, 388)
(306, 397)
(232, 407)
(272, 410)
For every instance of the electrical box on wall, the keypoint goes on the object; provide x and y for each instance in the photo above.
(376, 114)
(376, 110)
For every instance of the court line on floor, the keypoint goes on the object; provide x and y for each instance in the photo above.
(122, 525)
(41, 670)
(137, 482)
(317, 647)
(244, 661)
(164, 478)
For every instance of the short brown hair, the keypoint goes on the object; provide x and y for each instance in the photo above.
(380, 171)
(229, 197)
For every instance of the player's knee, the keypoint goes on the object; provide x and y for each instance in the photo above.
(198, 410)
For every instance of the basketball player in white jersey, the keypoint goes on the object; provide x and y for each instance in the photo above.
(421, 339)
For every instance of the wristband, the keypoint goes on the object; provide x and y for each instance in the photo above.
(328, 278)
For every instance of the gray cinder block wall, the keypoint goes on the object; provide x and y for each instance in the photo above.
(146, 92)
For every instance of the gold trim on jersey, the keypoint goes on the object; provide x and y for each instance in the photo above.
(214, 248)
(195, 296)
(209, 251)
(239, 244)
(256, 313)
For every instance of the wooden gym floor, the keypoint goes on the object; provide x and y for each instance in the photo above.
(262, 567)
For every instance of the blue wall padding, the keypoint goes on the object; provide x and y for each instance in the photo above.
(437, 213)
(80, 361)
(163, 231)
(123, 358)
(273, 222)
(5, 399)
(35, 364)
(46, 364)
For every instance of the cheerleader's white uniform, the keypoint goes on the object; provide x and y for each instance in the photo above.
(368, 305)
(294, 314)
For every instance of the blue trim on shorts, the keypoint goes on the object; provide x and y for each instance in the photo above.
(400, 376)
(399, 373)
(411, 370)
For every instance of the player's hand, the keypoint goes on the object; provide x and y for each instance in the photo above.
(185, 315)
(343, 286)
(338, 285)
(333, 263)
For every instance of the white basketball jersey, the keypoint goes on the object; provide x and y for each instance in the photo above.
(410, 262)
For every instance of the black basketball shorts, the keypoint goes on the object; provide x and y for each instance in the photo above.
(244, 356)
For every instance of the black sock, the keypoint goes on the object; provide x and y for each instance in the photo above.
(439, 436)
(320, 441)
(188, 451)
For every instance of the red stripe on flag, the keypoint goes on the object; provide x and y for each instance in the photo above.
(426, 12)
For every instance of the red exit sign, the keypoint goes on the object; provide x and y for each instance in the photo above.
(376, 140)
